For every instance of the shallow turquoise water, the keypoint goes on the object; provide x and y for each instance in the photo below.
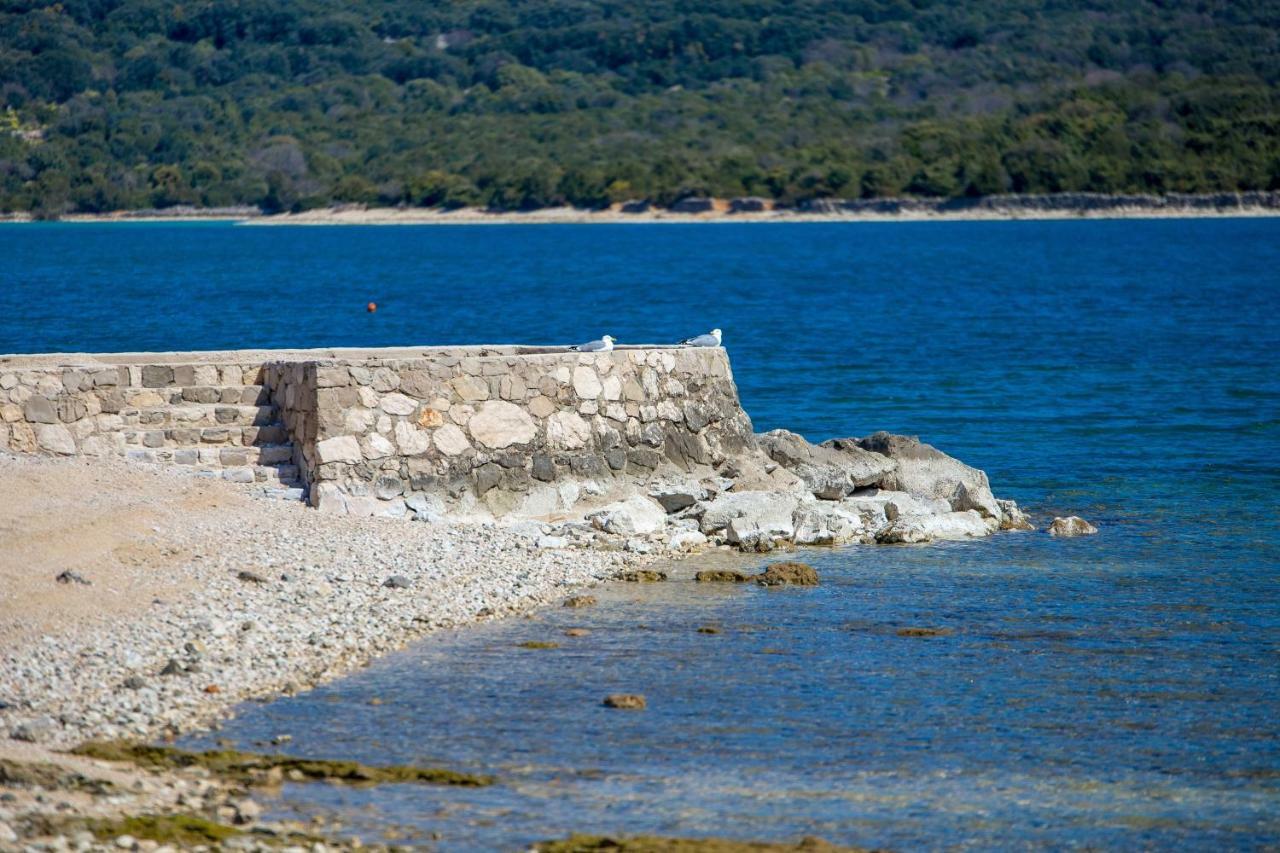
(1115, 692)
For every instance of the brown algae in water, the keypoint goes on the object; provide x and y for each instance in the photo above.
(251, 768)
(656, 844)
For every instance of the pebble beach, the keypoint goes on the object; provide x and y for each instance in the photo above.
(184, 596)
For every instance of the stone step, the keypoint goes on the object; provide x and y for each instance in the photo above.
(206, 455)
(244, 395)
(202, 414)
(237, 436)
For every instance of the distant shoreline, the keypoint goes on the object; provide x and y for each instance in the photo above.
(992, 208)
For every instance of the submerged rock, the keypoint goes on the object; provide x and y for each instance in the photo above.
(580, 601)
(1072, 525)
(625, 701)
(642, 576)
(719, 576)
(923, 632)
(788, 574)
(658, 844)
(1013, 518)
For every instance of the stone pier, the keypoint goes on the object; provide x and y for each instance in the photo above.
(484, 431)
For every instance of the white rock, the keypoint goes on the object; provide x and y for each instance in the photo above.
(55, 438)
(567, 431)
(343, 448)
(586, 384)
(501, 424)
(636, 515)
(552, 542)
(1072, 525)
(398, 404)
(451, 440)
(411, 440)
(768, 511)
(686, 540)
(377, 447)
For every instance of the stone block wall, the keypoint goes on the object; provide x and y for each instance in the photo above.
(474, 431)
(516, 433)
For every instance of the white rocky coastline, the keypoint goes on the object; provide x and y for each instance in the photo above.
(271, 597)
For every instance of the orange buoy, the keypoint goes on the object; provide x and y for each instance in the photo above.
(371, 307)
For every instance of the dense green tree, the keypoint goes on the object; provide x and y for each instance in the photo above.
(137, 103)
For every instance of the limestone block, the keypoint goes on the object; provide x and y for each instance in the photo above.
(327, 497)
(383, 424)
(55, 438)
(589, 408)
(21, 394)
(10, 412)
(451, 440)
(637, 515)
(156, 375)
(541, 406)
(411, 440)
(470, 388)
(385, 379)
(357, 421)
(49, 386)
(398, 404)
(75, 380)
(367, 397)
(40, 410)
(343, 448)
(418, 383)
(376, 447)
(631, 390)
(71, 409)
(82, 429)
(22, 438)
(145, 399)
(586, 384)
(512, 387)
(332, 376)
(7, 381)
(567, 431)
(461, 414)
(360, 375)
(501, 424)
(611, 387)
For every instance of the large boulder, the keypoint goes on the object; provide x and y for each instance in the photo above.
(827, 524)
(828, 471)
(908, 529)
(751, 520)
(637, 515)
(925, 471)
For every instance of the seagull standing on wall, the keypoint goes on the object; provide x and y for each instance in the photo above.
(709, 340)
(603, 345)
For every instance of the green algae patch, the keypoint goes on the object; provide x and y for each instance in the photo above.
(657, 844)
(251, 767)
(177, 829)
(50, 777)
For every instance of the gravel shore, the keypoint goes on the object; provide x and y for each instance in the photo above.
(198, 595)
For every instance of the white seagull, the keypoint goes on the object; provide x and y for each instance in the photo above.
(711, 340)
(603, 345)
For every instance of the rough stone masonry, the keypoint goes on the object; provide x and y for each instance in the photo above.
(639, 441)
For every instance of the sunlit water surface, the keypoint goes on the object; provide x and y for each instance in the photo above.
(1118, 691)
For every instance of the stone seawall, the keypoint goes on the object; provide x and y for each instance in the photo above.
(522, 433)
(469, 432)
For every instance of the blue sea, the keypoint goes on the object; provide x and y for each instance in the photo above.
(1117, 692)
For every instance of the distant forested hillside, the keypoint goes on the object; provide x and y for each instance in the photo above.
(291, 104)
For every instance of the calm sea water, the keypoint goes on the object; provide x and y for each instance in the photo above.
(1119, 691)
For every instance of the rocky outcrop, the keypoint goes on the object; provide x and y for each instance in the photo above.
(1072, 525)
(831, 470)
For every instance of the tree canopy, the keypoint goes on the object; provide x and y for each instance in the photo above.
(519, 104)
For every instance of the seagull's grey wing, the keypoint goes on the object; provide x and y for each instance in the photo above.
(593, 346)
(704, 341)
